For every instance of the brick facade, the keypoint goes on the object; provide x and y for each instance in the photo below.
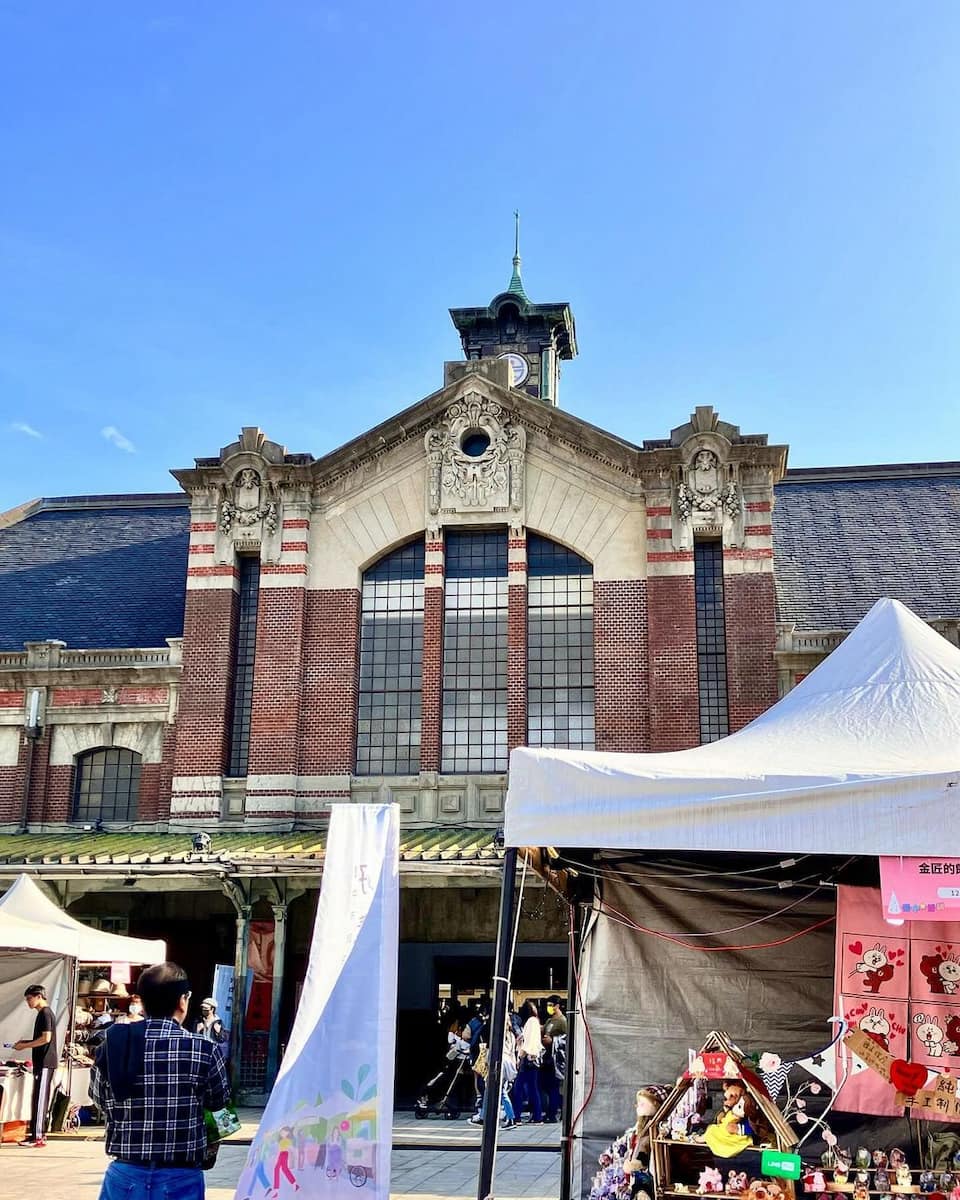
(277, 681)
(674, 685)
(328, 708)
(750, 620)
(203, 716)
(432, 682)
(621, 667)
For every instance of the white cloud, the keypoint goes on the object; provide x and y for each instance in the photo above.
(23, 427)
(113, 434)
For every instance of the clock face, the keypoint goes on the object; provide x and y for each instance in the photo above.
(519, 368)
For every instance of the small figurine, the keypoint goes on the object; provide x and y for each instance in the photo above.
(819, 1183)
(946, 1182)
(864, 1158)
(862, 1179)
(861, 1192)
(904, 1176)
(881, 1179)
(880, 1159)
(928, 1182)
(841, 1170)
(736, 1182)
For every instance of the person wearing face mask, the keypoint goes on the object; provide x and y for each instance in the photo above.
(554, 1028)
(135, 1010)
(210, 1026)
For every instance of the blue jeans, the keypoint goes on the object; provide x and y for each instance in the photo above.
(526, 1090)
(124, 1181)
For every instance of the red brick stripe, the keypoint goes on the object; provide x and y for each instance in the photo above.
(293, 547)
(203, 526)
(226, 570)
(759, 506)
(201, 548)
(660, 511)
(670, 555)
(763, 552)
(758, 530)
(283, 569)
(11, 699)
(296, 523)
(76, 696)
(659, 533)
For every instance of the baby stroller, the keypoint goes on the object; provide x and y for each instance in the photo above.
(441, 1094)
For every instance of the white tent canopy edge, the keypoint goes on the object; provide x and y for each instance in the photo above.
(863, 756)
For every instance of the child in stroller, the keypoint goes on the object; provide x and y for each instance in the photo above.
(444, 1093)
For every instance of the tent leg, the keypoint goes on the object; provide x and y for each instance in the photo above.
(567, 1140)
(498, 1022)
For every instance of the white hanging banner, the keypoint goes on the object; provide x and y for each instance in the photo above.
(326, 1130)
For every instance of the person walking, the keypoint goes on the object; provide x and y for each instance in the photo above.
(529, 1052)
(153, 1080)
(554, 1055)
(210, 1026)
(43, 1047)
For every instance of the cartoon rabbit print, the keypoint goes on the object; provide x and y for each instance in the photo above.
(930, 1033)
(876, 1026)
(875, 968)
(949, 972)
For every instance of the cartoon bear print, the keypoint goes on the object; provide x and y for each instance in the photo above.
(876, 1026)
(930, 1034)
(951, 1044)
(875, 968)
(941, 971)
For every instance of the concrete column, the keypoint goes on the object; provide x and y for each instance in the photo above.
(279, 958)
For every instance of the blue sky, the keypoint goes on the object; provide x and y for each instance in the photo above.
(241, 213)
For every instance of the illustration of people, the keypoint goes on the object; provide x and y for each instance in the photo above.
(334, 1153)
(285, 1144)
(258, 1175)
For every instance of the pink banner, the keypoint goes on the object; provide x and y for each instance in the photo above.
(902, 991)
(920, 889)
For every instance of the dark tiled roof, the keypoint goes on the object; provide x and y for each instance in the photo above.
(95, 572)
(841, 542)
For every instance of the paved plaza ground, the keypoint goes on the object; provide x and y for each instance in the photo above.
(431, 1160)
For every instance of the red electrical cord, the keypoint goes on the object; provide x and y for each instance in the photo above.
(610, 911)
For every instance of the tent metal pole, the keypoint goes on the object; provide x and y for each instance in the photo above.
(498, 1023)
(567, 1140)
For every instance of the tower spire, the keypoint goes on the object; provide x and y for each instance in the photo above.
(516, 283)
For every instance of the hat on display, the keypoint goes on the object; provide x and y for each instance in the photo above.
(83, 988)
(101, 987)
(119, 989)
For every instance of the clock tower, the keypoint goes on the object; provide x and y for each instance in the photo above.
(532, 338)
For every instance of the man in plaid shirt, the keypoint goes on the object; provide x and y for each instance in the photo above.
(153, 1081)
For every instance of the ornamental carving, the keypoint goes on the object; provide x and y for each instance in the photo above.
(246, 504)
(707, 498)
(475, 460)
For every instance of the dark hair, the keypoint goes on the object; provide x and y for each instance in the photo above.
(553, 999)
(160, 988)
(36, 989)
(528, 1010)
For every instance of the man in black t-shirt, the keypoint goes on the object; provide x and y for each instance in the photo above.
(45, 1059)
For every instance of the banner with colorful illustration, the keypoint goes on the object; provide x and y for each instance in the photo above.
(899, 986)
(920, 889)
(326, 1131)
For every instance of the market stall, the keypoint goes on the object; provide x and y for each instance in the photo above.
(40, 943)
(714, 877)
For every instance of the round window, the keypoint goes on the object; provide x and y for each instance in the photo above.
(474, 443)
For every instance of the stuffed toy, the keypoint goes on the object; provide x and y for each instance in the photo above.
(710, 1181)
(904, 1176)
(736, 1182)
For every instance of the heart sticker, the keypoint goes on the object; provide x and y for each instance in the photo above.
(856, 947)
(907, 1077)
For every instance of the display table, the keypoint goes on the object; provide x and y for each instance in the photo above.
(79, 1083)
(17, 1094)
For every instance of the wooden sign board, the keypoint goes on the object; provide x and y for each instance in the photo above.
(872, 1053)
(940, 1101)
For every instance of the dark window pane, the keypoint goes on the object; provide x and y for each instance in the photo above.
(106, 786)
(245, 646)
(474, 720)
(391, 651)
(711, 640)
(560, 696)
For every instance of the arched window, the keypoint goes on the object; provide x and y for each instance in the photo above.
(106, 785)
(391, 658)
(560, 687)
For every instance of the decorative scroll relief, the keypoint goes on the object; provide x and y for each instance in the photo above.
(247, 507)
(475, 460)
(707, 499)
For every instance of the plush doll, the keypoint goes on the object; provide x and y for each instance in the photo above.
(819, 1183)
(725, 1136)
(904, 1176)
(928, 1182)
(710, 1181)
(736, 1183)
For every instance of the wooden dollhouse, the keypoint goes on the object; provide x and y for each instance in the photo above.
(678, 1155)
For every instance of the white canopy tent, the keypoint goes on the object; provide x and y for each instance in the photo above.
(863, 756)
(40, 943)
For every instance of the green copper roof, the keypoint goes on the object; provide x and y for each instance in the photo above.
(515, 286)
(434, 844)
